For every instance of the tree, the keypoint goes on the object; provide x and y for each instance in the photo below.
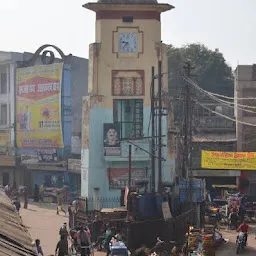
(211, 72)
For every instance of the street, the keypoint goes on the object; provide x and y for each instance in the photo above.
(43, 223)
(229, 248)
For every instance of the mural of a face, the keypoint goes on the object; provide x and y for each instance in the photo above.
(112, 136)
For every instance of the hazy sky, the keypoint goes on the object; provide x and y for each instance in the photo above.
(225, 24)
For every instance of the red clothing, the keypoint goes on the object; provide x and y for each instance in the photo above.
(243, 228)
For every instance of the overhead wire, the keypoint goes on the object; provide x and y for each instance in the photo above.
(232, 98)
(190, 81)
(224, 116)
(229, 104)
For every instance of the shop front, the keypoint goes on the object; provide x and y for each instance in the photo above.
(47, 175)
(7, 170)
(74, 173)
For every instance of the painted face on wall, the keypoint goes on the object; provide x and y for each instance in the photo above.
(111, 136)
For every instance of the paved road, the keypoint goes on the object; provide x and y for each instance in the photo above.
(43, 223)
(229, 248)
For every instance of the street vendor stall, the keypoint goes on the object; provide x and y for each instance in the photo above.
(208, 241)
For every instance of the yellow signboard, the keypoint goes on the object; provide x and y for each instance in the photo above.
(4, 141)
(228, 160)
(7, 161)
(39, 106)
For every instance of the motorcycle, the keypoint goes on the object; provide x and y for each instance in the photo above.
(240, 242)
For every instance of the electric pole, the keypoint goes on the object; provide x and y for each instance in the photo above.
(159, 126)
(130, 167)
(153, 129)
(188, 129)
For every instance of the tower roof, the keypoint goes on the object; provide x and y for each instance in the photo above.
(128, 1)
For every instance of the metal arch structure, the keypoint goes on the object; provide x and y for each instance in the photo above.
(46, 60)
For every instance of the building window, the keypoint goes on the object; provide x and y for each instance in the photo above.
(128, 19)
(3, 117)
(3, 83)
(129, 113)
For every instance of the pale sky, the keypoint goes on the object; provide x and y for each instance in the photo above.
(228, 25)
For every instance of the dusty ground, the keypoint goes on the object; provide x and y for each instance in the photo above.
(43, 223)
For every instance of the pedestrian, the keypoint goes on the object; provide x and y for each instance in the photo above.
(70, 216)
(96, 228)
(36, 193)
(16, 203)
(41, 193)
(75, 205)
(25, 194)
(7, 190)
(60, 204)
(64, 231)
(62, 247)
(218, 219)
(84, 241)
(39, 248)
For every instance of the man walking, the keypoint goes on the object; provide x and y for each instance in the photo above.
(62, 247)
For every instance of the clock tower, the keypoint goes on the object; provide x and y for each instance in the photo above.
(116, 112)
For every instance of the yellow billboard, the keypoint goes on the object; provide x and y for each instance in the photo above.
(38, 106)
(228, 160)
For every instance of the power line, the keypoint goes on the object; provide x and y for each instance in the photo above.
(232, 98)
(224, 116)
(187, 79)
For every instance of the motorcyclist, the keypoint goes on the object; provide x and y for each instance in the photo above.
(244, 228)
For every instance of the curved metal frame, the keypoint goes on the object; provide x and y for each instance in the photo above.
(46, 60)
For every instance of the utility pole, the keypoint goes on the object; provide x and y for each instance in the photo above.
(130, 168)
(159, 126)
(188, 129)
(153, 180)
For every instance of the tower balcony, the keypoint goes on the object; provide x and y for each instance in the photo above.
(120, 152)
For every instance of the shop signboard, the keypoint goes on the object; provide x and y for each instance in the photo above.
(40, 156)
(47, 155)
(7, 160)
(111, 139)
(118, 177)
(228, 160)
(74, 165)
(38, 106)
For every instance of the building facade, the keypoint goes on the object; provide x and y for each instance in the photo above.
(8, 172)
(214, 133)
(245, 87)
(116, 113)
(21, 164)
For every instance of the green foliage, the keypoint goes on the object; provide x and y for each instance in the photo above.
(211, 72)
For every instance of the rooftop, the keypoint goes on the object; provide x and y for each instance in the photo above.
(14, 237)
(127, 1)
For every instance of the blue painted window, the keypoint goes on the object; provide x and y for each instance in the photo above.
(129, 113)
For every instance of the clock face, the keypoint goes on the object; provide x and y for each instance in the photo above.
(128, 42)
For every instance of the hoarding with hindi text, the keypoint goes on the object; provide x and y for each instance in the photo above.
(38, 106)
(228, 160)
